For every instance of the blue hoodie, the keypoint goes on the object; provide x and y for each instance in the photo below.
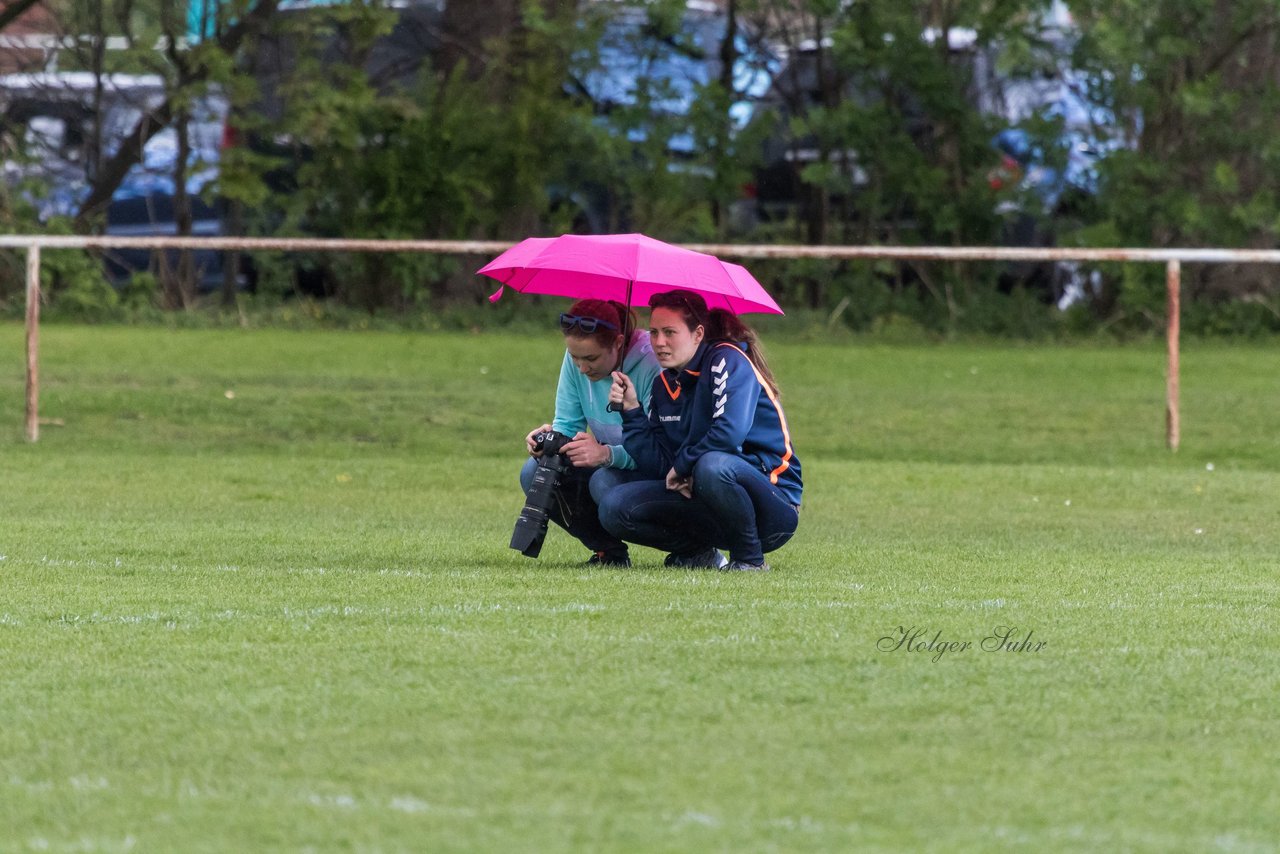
(583, 404)
(718, 402)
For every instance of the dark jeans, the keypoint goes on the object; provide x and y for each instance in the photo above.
(575, 509)
(734, 506)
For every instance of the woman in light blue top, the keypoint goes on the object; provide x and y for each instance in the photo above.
(594, 332)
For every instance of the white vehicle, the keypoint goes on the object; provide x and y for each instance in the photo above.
(58, 128)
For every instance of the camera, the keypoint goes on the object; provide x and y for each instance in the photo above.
(550, 442)
(531, 525)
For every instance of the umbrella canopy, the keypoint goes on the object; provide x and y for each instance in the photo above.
(628, 268)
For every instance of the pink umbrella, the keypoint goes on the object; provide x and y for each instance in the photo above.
(624, 267)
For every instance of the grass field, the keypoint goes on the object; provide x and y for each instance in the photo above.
(255, 594)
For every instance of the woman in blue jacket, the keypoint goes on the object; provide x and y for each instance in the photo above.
(716, 435)
(593, 336)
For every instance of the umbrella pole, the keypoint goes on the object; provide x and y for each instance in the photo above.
(626, 338)
(626, 324)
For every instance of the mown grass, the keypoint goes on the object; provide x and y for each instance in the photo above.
(255, 594)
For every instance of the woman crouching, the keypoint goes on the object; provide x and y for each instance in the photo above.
(600, 338)
(716, 435)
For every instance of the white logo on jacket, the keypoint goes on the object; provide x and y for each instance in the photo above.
(721, 379)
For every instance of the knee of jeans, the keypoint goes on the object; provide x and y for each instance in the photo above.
(773, 542)
(602, 482)
(612, 513)
(714, 464)
(526, 474)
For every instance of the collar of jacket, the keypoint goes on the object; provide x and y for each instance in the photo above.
(690, 372)
(687, 377)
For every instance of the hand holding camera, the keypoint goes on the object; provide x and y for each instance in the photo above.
(585, 452)
(531, 441)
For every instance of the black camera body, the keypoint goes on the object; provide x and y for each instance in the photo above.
(550, 442)
(531, 525)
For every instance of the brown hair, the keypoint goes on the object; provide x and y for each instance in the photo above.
(610, 311)
(719, 325)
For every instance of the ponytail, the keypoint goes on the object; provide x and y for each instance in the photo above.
(724, 325)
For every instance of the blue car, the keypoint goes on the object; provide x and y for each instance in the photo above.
(50, 122)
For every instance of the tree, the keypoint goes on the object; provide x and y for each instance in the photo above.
(469, 29)
(431, 153)
(210, 61)
(156, 39)
(667, 85)
(887, 97)
(887, 126)
(1193, 90)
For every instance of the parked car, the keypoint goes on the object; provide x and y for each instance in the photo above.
(1043, 182)
(639, 62)
(59, 127)
(1049, 184)
(630, 64)
(673, 69)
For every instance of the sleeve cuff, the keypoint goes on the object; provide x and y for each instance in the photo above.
(682, 465)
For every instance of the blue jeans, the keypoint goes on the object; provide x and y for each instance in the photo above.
(734, 506)
(575, 506)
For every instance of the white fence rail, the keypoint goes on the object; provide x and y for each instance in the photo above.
(1171, 258)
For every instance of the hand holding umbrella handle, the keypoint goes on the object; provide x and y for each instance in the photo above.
(622, 396)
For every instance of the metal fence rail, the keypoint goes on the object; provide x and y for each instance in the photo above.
(735, 250)
(1171, 258)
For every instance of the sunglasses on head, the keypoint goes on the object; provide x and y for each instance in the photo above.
(587, 324)
(671, 300)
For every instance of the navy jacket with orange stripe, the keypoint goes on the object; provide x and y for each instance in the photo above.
(716, 403)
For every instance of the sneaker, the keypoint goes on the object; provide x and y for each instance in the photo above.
(710, 559)
(618, 560)
(743, 566)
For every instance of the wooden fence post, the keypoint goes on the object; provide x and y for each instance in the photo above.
(33, 343)
(1173, 279)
